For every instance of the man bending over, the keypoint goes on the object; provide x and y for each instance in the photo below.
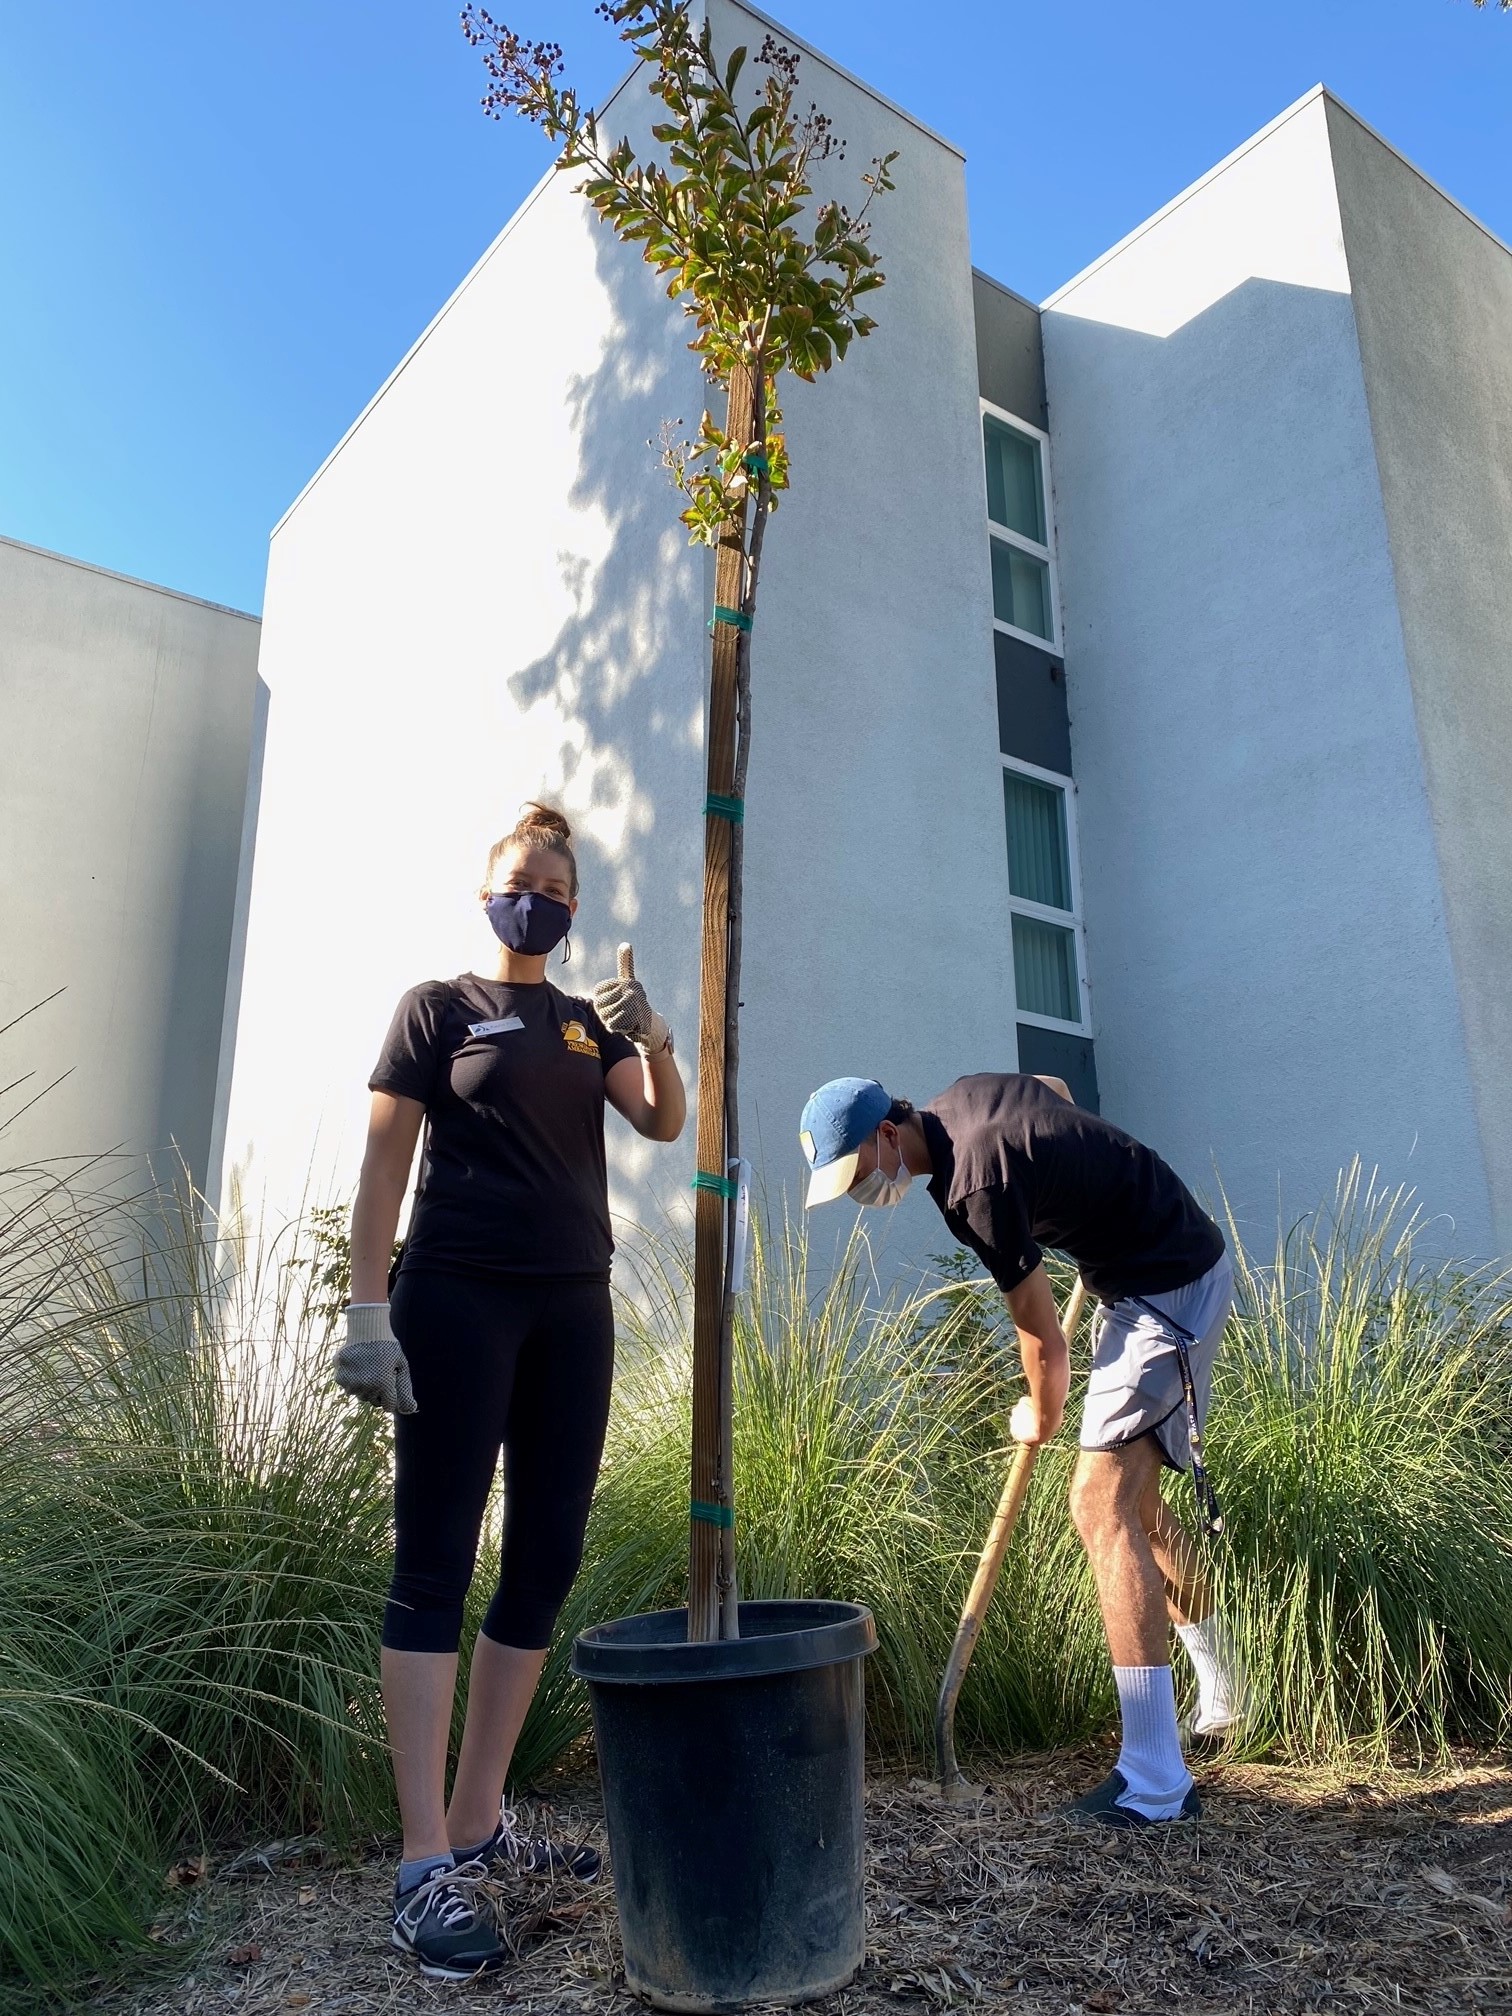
(1013, 1166)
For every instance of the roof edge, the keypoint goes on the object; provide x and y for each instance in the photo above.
(129, 580)
(812, 49)
(1318, 91)
(516, 216)
(1002, 287)
(1184, 196)
(1408, 163)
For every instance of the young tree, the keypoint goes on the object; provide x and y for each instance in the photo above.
(771, 284)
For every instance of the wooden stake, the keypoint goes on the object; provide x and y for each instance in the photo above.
(709, 1485)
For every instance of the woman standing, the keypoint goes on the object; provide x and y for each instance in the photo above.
(497, 1336)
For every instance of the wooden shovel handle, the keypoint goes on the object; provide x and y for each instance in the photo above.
(627, 962)
(984, 1582)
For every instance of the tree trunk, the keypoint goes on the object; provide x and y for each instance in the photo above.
(711, 1490)
(760, 492)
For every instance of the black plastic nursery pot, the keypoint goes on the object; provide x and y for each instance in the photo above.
(733, 1782)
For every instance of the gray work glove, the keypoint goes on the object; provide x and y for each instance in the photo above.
(370, 1363)
(622, 1007)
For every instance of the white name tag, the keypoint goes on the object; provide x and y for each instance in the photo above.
(498, 1028)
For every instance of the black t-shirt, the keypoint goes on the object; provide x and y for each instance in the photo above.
(1016, 1167)
(512, 1081)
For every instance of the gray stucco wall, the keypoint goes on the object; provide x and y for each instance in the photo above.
(1433, 303)
(127, 734)
(1273, 990)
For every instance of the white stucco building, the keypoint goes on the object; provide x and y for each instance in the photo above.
(1132, 682)
(130, 738)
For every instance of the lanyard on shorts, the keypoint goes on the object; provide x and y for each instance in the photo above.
(1207, 1498)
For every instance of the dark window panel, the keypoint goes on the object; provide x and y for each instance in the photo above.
(1010, 355)
(1032, 720)
(1061, 1055)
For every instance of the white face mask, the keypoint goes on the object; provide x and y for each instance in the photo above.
(875, 1188)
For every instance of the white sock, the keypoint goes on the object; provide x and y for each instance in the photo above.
(1214, 1654)
(1150, 1760)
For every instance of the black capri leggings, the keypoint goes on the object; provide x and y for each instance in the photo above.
(509, 1363)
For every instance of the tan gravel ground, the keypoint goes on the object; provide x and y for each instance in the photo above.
(1295, 1893)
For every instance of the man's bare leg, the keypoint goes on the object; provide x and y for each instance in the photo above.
(1110, 1490)
(1109, 1494)
(1204, 1637)
(1188, 1598)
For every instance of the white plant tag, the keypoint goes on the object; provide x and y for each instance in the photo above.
(740, 1169)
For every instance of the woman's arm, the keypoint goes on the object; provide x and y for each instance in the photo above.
(393, 1129)
(649, 1092)
(647, 1089)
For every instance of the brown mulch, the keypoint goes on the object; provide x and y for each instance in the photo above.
(1297, 1892)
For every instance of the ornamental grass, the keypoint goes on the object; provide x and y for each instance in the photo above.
(194, 1525)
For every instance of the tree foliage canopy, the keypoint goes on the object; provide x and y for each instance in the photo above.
(770, 283)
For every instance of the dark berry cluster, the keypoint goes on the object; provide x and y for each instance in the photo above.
(817, 133)
(820, 136)
(515, 67)
(777, 56)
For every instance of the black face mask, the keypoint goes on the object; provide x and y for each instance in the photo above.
(526, 921)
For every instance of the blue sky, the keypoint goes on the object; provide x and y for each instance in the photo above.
(223, 226)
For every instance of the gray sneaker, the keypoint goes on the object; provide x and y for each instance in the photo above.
(538, 1854)
(441, 1925)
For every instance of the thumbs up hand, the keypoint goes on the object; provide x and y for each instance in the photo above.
(622, 1007)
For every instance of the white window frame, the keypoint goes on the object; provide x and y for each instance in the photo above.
(1067, 919)
(1011, 538)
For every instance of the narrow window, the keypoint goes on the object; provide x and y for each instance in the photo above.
(1049, 954)
(1018, 524)
(1044, 969)
(1038, 863)
(1015, 482)
(1021, 590)
(1042, 891)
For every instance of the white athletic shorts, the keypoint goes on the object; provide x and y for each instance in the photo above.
(1135, 1388)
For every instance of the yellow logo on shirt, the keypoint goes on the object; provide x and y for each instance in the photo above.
(576, 1037)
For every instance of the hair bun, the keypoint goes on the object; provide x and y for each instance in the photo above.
(543, 819)
(537, 826)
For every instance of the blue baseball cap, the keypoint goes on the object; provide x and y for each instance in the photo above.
(836, 1120)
